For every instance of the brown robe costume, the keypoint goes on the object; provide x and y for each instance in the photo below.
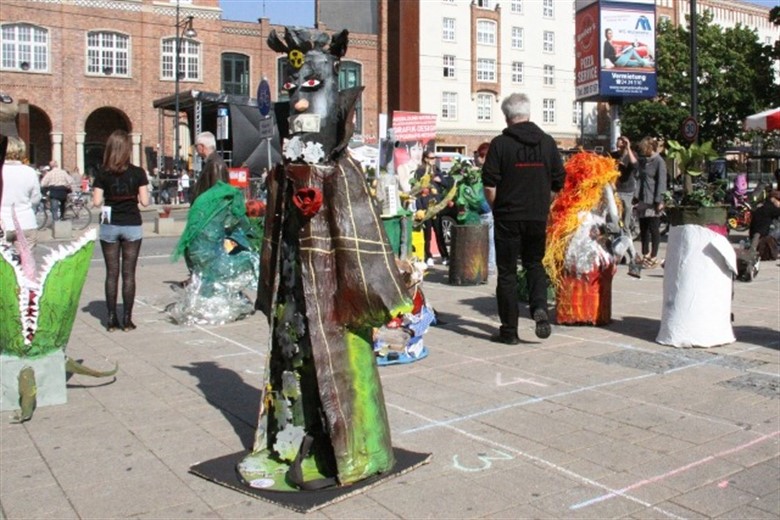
(328, 276)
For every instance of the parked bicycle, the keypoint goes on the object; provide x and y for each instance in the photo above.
(77, 211)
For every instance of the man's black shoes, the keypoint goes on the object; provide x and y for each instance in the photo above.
(506, 340)
(543, 328)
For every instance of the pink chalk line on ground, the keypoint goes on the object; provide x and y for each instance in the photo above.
(673, 472)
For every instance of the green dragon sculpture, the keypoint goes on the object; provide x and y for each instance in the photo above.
(38, 310)
(470, 198)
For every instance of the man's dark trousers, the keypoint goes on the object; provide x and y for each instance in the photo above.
(524, 239)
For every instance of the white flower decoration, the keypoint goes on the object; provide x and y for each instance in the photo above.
(313, 153)
(293, 148)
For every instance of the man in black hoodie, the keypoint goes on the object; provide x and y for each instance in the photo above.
(522, 169)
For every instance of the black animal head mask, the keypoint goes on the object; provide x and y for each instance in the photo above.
(320, 115)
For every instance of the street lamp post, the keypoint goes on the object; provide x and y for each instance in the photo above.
(694, 65)
(183, 30)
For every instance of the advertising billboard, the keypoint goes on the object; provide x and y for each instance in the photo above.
(627, 50)
(615, 50)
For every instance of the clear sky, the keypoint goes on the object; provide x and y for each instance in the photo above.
(280, 12)
(301, 12)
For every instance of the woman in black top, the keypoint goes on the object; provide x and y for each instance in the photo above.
(120, 187)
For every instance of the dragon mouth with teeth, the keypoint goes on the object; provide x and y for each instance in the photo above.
(39, 308)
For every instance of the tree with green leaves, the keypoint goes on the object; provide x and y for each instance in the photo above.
(735, 74)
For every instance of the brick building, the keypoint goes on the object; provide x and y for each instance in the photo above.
(83, 68)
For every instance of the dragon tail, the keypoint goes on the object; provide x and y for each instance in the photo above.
(74, 367)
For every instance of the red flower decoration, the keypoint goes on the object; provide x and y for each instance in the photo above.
(308, 201)
(255, 208)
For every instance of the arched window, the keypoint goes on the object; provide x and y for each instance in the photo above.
(108, 53)
(486, 32)
(235, 74)
(189, 59)
(25, 47)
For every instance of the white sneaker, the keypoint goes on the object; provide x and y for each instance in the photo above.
(446, 261)
(429, 262)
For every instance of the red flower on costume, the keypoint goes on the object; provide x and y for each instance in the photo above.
(308, 201)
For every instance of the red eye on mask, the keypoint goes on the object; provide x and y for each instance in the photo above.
(288, 86)
(311, 83)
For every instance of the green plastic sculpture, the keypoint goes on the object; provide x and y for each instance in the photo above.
(470, 199)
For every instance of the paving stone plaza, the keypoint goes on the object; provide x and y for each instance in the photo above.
(595, 422)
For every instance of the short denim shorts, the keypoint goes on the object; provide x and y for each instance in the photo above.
(111, 233)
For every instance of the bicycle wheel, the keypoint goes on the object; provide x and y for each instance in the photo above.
(79, 216)
(41, 216)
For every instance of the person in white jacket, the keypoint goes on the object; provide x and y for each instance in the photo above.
(21, 194)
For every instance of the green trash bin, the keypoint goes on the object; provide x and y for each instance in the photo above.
(399, 232)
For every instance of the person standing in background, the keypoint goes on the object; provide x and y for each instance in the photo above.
(58, 184)
(486, 214)
(120, 187)
(214, 169)
(439, 184)
(21, 194)
(185, 187)
(626, 183)
(651, 185)
(522, 169)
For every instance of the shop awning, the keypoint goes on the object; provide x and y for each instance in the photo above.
(766, 120)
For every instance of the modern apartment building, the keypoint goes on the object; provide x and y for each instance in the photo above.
(84, 68)
(459, 58)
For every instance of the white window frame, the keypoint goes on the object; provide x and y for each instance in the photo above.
(516, 6)
(548, 110)
(449, 106)
(108, 55)
(24, 43)
(190, 62)
(448, 29)
(549, 75)
(576, 114)
(486, 32)
(518, 73)
(548, 41)
(548, 8)
(484, 108)
(448, 66)
(485, 4)
(518, 38)
(486, 70)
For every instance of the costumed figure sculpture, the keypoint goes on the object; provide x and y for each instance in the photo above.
(328, 277)
(470, 247)
(219, 250)
(470, 197)
(584, 239)
(38, 309)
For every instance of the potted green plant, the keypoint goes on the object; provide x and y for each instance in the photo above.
(702, 201)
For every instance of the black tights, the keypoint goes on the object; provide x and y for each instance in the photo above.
(129, 253)
(650, 235)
